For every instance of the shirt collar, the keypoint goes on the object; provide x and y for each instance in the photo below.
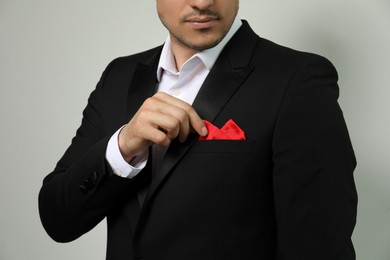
(208, 56)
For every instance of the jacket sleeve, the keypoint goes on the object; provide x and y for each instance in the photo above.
(80, 191)
(314, 190)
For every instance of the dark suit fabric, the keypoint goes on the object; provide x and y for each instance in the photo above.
(287, 192)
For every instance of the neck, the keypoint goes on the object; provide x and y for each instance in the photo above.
(181, 53)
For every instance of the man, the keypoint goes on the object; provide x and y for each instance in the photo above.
(280, 187)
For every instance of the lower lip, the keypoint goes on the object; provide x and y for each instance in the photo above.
(202, 25)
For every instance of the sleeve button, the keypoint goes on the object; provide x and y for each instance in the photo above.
(83, 189)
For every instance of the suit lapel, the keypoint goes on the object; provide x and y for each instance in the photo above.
(226, 77)
(219, 87)
(143, 84)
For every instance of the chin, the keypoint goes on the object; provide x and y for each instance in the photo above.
(202, 45)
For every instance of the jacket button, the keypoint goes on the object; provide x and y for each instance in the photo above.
(88, 184)
(83, 189)
(94, 177)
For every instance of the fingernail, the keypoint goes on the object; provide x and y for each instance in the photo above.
(204, 131)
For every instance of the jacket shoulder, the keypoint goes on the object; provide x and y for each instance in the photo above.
(282, 55)
(145, 57)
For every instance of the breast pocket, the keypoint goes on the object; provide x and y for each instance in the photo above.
(222, 146)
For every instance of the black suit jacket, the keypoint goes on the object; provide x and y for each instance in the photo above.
(287, 192)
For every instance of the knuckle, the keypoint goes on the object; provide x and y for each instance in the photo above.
(187, 107)
(182, 116)
(160, 138)
(174, 123)
(142, 113)
(149, 102)
(158, 94)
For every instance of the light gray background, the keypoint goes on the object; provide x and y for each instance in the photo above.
(53, 52)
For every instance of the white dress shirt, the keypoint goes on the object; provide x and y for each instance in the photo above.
(183, 84)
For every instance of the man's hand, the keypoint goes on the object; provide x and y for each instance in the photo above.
(160, 119)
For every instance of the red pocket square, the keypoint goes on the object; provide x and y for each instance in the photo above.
(230, 131)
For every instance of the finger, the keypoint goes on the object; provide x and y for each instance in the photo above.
(196, 123)
(167, 124)
(157, 127)
(177, 124)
